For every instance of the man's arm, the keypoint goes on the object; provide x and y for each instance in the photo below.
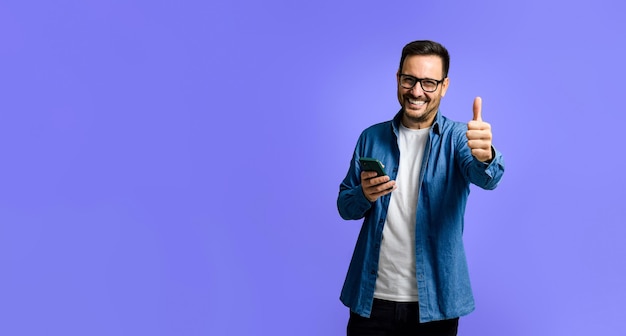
(360, 189)
(482, 174)
(484, 165)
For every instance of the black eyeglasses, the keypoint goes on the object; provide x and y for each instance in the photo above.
(428, 85)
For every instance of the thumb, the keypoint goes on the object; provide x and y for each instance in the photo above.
(478, 105)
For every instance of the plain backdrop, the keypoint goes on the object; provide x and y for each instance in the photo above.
(172, 167)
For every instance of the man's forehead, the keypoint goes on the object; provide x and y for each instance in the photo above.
(424, 63)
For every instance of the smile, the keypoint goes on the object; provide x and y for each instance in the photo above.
(416, 102)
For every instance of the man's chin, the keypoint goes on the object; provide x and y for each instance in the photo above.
(417, 116)
(415, 113)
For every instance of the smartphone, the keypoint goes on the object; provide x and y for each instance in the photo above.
(370, 164)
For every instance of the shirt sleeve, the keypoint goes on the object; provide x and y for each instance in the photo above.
(351, 202)
(484, 175)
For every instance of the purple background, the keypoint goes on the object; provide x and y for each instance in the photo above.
(171, 167)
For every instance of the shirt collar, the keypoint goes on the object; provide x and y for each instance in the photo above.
(436, 127)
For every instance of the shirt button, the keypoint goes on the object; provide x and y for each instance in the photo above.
(372, 272)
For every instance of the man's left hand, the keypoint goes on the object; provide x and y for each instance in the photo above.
(479, 134)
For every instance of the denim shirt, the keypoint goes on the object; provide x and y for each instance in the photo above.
(448, 168)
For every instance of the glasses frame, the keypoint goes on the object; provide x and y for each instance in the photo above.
(419, 80)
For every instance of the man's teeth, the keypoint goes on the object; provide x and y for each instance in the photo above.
(416, 102)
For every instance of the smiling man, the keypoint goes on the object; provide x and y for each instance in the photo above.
(408, 274)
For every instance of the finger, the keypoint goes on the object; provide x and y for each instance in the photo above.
(373, 181)
(479, 144)
(478, 105)
(380, 194)
(478, 125)
(378, 182)
(478, 134)
(367, 174)
(384, 189)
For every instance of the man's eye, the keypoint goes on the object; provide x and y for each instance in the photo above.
(429, 83)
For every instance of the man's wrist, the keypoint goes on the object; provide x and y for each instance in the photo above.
(493, 155)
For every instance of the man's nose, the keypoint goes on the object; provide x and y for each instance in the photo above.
(417, 89)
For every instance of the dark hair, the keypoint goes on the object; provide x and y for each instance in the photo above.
(427, 48)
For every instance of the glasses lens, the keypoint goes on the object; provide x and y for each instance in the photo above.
(429, 85)
(407, 82)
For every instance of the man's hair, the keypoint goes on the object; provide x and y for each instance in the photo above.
(427, 48)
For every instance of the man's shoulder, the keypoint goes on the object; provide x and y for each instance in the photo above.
(385, 126)
(452, 126)
(452, 123)
(381, 132)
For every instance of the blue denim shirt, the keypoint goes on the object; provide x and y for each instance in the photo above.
(448, 168)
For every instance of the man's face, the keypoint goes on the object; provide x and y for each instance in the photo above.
(421, 107)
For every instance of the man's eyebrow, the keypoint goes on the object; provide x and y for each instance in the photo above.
(419, 77)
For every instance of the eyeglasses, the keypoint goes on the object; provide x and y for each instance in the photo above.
(428, 85)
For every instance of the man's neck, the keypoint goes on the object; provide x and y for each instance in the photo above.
(417, 125)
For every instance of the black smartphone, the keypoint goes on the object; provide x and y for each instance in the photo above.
(370, 164)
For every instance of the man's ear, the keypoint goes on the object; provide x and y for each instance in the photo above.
(444, 86)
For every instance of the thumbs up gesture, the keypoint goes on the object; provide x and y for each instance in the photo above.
(479, 134)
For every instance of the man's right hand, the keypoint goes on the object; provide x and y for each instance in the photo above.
(374, 187)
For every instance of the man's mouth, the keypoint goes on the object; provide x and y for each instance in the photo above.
(417, 102)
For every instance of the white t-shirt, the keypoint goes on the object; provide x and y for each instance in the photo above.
(396, 279)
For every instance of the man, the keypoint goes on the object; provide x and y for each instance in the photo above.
(408, 274)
